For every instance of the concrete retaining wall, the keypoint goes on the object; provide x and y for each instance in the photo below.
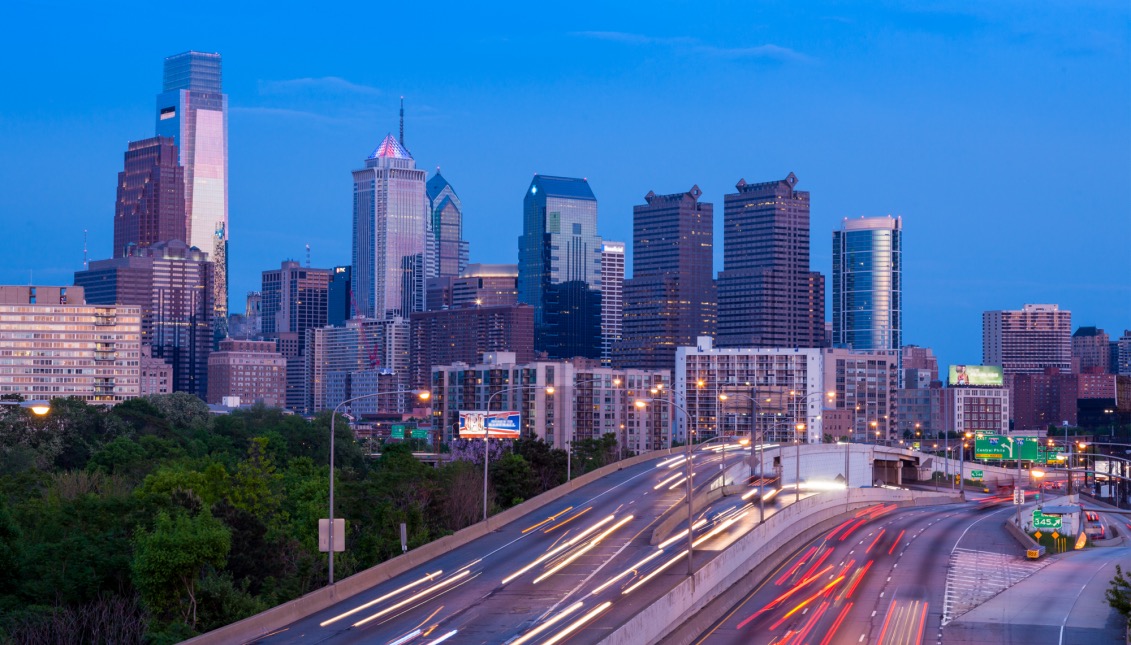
(764, 547)
(704, 494)
(256, 626)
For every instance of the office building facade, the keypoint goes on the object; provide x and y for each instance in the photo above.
(171, 283)
(192, 110)
(1091, 347)
(868, 283)
(1027, 341)
(670, 300)
(612, 298)
(767, 295)
(389, 233)
(249, 369)
(463, 335)
(333, 354)
(150, 205)
(446, 213)
(559, 268)
(340, 296)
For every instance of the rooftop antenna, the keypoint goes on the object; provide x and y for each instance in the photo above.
(402, 121)
(85, 265)
(308, 256)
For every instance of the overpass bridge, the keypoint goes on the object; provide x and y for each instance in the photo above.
(584, 560)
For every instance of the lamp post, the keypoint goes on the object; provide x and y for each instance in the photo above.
(800, 426)
(423, 395)
(642, 403)
(761, 450)
(962, 462)
(487, 436)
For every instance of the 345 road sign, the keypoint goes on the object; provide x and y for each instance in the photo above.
(1042, 521)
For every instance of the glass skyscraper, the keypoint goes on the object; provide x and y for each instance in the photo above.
(868, 283)
(559, 245)
(447, 228)
(192, 109)
(390, 210)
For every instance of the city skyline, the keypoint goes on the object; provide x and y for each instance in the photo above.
(977, 112)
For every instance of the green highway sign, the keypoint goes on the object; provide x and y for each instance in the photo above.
(975, 474)
(1003, 448)
(420, 433)
(1042, 521)
(398, 431)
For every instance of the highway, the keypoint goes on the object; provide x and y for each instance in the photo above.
(898, 576)
(573, 565)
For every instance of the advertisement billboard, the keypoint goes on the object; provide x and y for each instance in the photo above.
(474, 424)
(975, 375)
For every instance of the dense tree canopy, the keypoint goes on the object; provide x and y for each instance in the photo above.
(154, 520)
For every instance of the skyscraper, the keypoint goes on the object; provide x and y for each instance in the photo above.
(1027, 341)
(1091, 347)
(868, 283)
(295, 299)
(447, 227)
(192, 109)
(768, 297)
(670, 300)
(340, 296)
(389, 225)
(559, 244)
(150, 207)
(612, 298)
(172, 284)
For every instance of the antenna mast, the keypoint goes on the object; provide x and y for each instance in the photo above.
(402, 121)
(85, 265)
(308, 256)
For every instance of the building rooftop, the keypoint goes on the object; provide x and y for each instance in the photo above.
(568, 187)
(390, 147)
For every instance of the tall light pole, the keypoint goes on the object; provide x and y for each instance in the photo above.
(800, 426)
(487, 435)
(423, 395)
(761, 449)
(38, 408)
(642, 403)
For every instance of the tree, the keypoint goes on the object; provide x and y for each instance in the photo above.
(1119, 594)
(170, 560)
(514, 480)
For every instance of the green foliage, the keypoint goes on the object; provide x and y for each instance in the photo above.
(514, 480)
(1118, 594)
(170, 560)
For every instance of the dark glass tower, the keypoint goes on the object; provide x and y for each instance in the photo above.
(447, 228)
(768, 297)
(868, 283)
(670, 300)
(559, 244)
(151, 196)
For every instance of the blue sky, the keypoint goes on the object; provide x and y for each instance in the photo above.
(1001, 132)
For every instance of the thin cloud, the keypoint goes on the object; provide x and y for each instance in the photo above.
(286, 113)
(320, 85)
(764, 52)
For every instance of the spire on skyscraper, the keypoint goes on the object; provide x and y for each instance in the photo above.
(390, 147)
(402, 121)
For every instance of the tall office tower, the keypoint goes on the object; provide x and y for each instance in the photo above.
(192, 109)
(1121, 354)
(868, 283)
(1091, 347)
(366, 349)
(249, 369)
(295, 299)
(1027, 341)
(464, 334)
(151, 196)
(559, 265)
(447, 227)
(340, 296)
(172, 283)
(389, 226)
(612, 298)
(670, 300)
(768, 297)
(486, 285)
(54, 346)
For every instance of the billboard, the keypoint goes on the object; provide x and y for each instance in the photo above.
(474, 424)
(984, 375)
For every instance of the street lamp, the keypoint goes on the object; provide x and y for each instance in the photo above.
(423, 395)
(800, 427)
(761, 451)
(487, 436)
(38, 407)
(642, 403)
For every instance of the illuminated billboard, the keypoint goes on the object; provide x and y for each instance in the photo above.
(984, 375)
(474, 424)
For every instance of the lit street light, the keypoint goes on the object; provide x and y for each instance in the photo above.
(38, 408)
(423, 395)
(642, 403)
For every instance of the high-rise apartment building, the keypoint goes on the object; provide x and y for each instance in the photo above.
(150, 207)
(172, 284)
(868, 283)
(51, 349)
(1121, 353)
(446, 213)
(192, 109)
(465, 334)
(334, 354)
(1091, 347)
(390, 210)
(249, 369)
(559, 266)
(612, 298)
(767, 295)
(1027, 341)
(295, 299)
(670, 300)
